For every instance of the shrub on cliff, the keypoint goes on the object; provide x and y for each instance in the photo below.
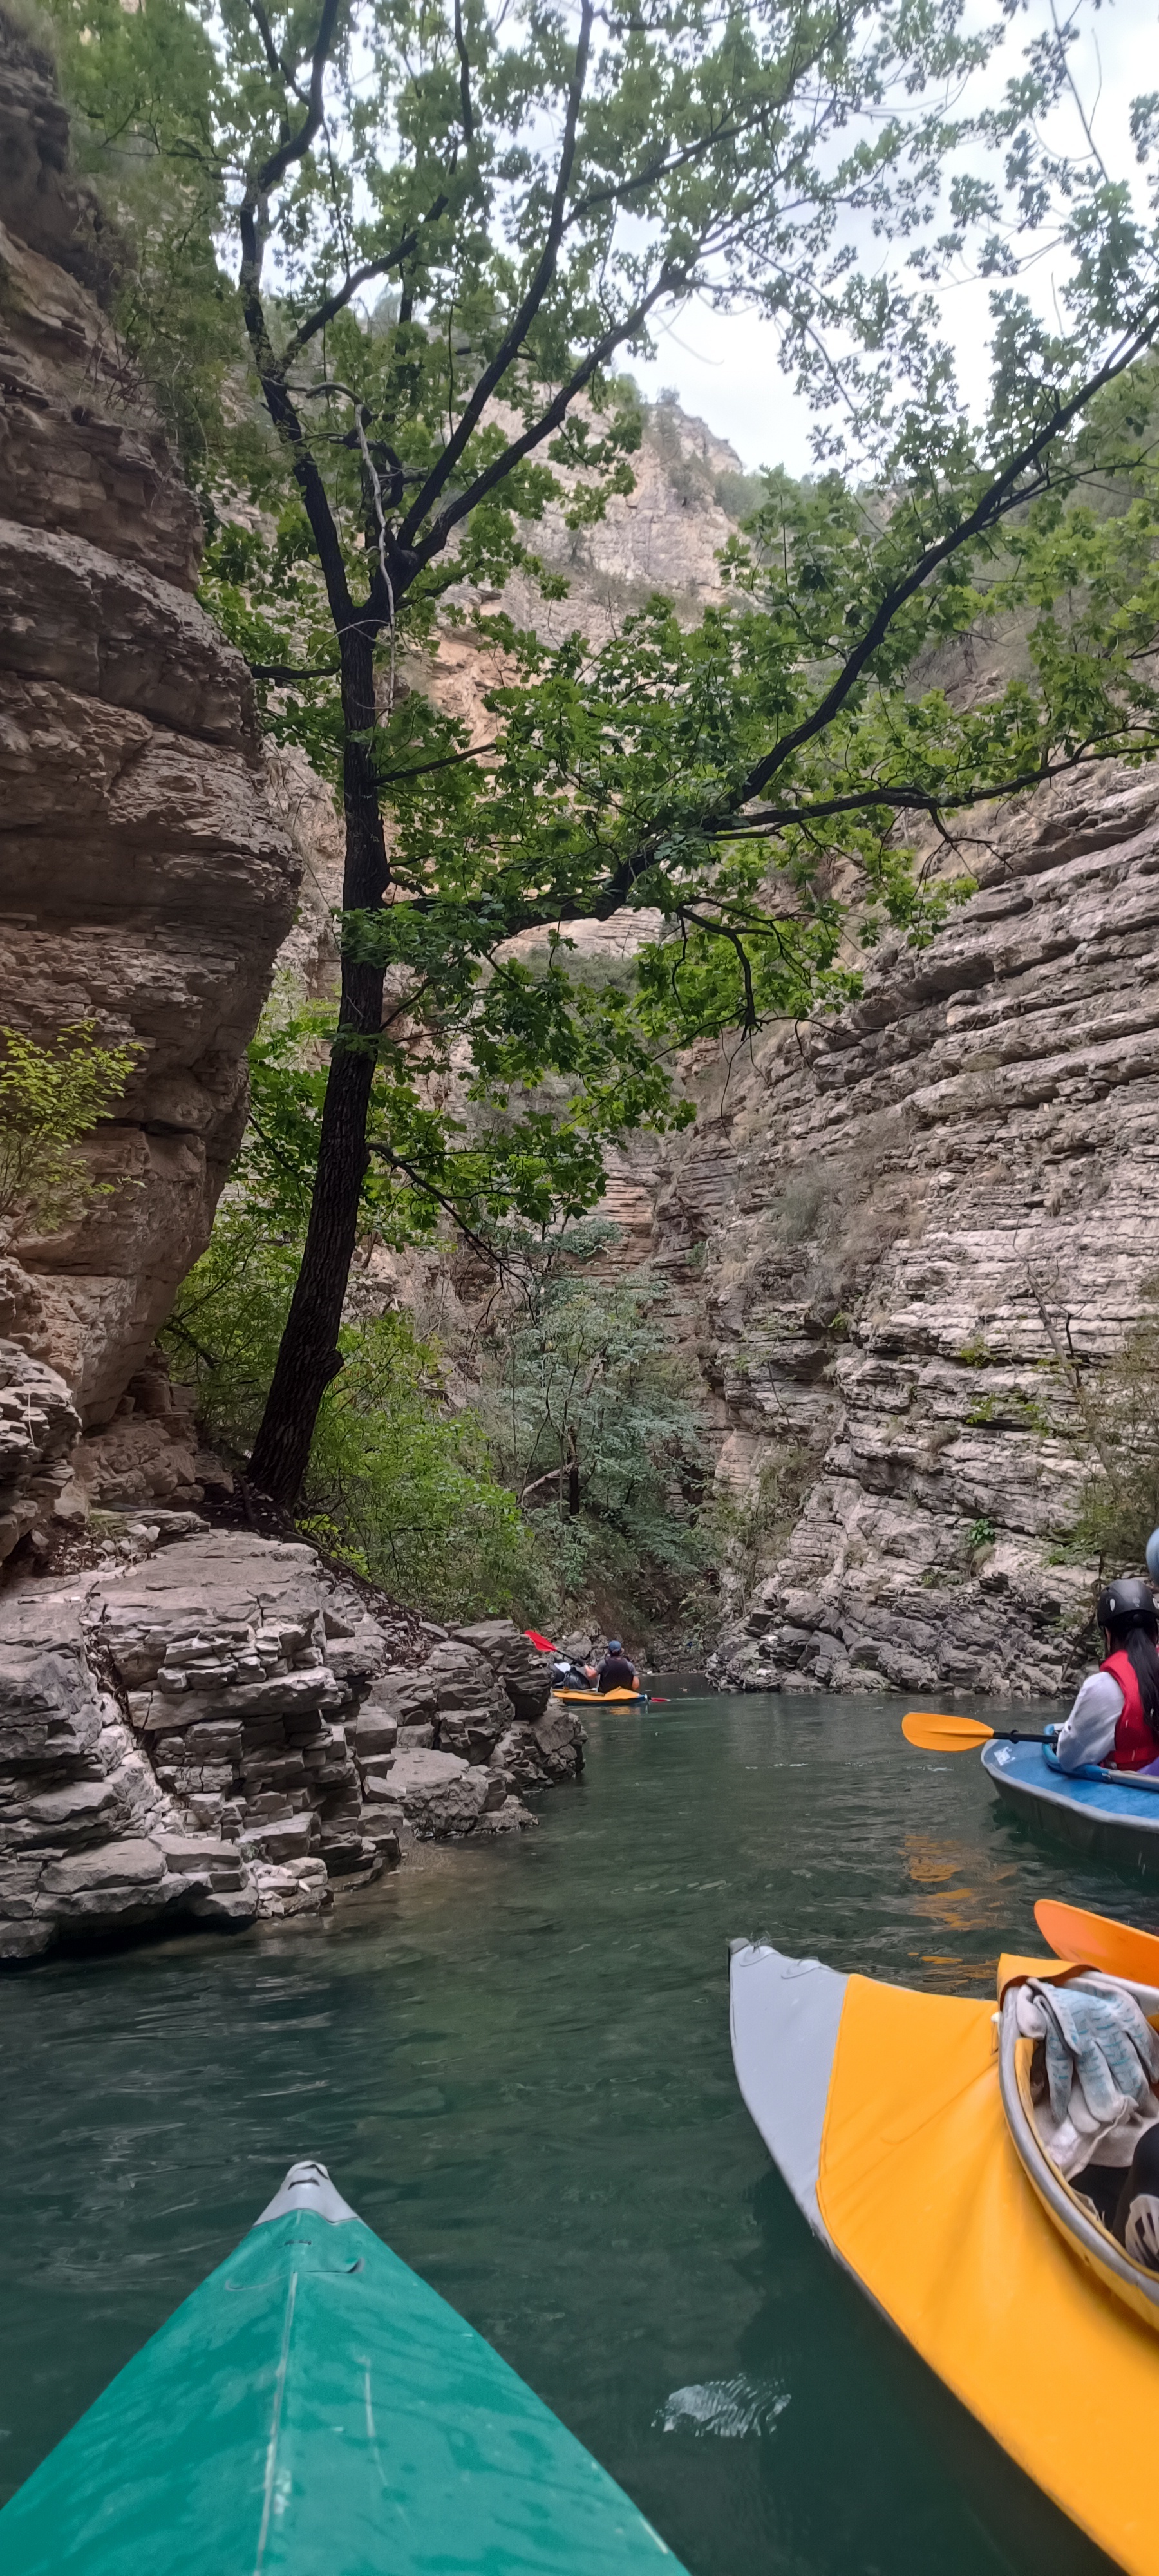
(50, 1098)
(1115, 1413)
(592, 1430)
(402, 1486)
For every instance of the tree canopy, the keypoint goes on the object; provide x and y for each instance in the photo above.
(388, 255)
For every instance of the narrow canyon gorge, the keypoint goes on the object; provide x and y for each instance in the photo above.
(900, 1242)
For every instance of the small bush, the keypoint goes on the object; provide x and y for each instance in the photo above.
(401, 1486)
(1119, 1427)
(591, 1426)
(740, 495)
(51, 1096)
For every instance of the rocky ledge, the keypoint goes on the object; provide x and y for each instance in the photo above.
(224, 1731)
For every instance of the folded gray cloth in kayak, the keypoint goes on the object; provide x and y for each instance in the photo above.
(1102, 2059)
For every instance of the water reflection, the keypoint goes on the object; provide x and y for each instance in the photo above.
(936, 1864)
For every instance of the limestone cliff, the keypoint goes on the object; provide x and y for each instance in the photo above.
(144, 882)
(907, 1235)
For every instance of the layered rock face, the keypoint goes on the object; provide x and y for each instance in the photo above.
(914, 1235)
(144, 884)
(224, 1730)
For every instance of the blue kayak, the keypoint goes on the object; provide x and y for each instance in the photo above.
(315, 2410)
(1097, 1811)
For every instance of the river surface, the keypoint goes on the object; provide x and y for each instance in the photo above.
(515, 2062)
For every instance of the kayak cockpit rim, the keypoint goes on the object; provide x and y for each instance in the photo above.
(1071, 2214)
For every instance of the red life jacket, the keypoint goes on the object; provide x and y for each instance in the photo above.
(1135, 1746)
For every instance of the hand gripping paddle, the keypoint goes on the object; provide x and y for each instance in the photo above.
(936, 1733)
(1096, 1941)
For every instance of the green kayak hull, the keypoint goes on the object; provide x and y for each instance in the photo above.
(314, 2409)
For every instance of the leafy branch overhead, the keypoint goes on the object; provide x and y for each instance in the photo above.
(391, 257)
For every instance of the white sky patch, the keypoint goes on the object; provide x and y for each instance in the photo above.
(727, 368)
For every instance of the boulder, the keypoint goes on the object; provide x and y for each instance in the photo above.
(359, 1658)
(533, 1757)
(375, 1734)
(199, 1855)
(407, 1698)
(50, 1705)
(282, 1838)
(507, 1816)
(244, 1758)
(384, 1825)
(473, 1733)
(81, 1812)
(523, 1670)
(441, 1796)
(117, 1864)
(39, 1426)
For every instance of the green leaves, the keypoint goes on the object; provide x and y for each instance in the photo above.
(587, 1408)
(50, 1097)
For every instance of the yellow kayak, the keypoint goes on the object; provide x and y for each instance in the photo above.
(903, 2126)
(602, 1699)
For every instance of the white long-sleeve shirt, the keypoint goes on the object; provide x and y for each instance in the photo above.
(1089, 1732)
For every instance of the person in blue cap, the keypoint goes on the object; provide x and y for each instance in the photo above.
(617, 1671)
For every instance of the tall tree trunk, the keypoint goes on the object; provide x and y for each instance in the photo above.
(309, 1356)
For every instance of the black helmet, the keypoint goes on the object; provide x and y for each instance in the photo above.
(1125, 1601)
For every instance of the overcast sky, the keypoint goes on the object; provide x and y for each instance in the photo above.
(726, 368)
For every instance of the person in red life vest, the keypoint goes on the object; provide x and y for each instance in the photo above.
(1115, 1719)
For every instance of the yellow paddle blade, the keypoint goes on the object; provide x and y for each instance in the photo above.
(1097, 1941)
(943, 1734)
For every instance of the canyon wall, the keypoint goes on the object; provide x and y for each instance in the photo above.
(904, 1243)
(145, 883)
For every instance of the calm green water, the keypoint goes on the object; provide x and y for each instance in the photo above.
(516, 2064)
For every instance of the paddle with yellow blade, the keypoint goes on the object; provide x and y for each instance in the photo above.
(1096, 1941)
(942, 1733)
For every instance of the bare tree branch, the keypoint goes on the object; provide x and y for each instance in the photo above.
(669, 282)
(1006, 491)
(468, 112)
(517, 330)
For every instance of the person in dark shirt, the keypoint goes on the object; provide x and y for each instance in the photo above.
(617, 1671)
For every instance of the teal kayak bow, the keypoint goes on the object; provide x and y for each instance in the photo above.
(314, 2409)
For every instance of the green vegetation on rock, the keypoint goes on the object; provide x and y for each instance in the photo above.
(50, 1098)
